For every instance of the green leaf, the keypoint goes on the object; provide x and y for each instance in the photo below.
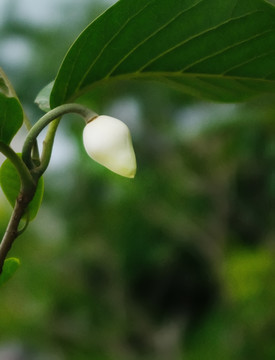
(221, 50)
(43, 98)
(9, 268)
(11, 118)
(5, 85)
(7, 89)
(10, 183)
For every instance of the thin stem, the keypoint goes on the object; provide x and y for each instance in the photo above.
(26, 179)
(27, 191)
(12, 231)
(29, 171)
(52, 115)
(48, 146)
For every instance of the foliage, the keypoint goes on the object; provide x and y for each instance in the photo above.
(226, 57)
(177, 264)
(10, 184)
(9, 268)
(11, 118)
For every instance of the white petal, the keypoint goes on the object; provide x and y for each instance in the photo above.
(108, 141)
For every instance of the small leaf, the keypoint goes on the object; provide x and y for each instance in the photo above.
(11, 118)
(7, 89)
(221, 50)
(9, 268)
(43, 98)
(10, 183)
(5, 85)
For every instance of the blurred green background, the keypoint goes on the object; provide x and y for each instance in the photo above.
(177, 264)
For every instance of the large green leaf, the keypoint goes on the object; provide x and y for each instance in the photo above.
(11, 117)
(223, 50)
(10, 184)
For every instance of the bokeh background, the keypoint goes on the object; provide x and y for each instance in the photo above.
(177, 264)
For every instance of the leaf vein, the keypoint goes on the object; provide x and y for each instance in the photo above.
(206, 80)
(108, 43)
(152, 35)
(248, 61)
(225, 49)
(194, 37)
(176, 75)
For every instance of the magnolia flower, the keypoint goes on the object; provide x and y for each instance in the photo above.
(108, 141)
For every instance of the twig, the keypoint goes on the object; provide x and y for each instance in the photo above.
(12, 231)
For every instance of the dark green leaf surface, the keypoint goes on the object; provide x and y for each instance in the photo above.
(9, 268)
(11, 117)
(10, 184)
(7, 90)
(223, 50)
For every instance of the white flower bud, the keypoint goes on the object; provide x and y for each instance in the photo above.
(108, 141)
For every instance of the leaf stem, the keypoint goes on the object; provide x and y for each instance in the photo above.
(29, 171)
(49, 117)
(27, 191)
(12, 231)
(27, 181)
(47, 146)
